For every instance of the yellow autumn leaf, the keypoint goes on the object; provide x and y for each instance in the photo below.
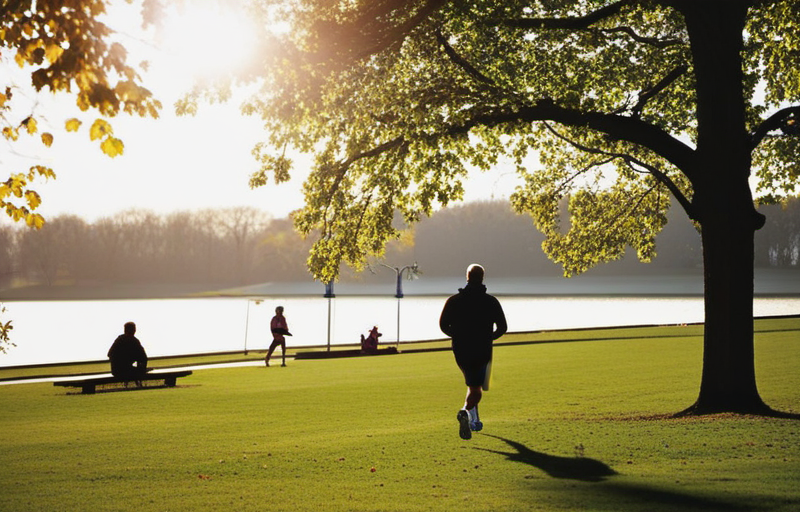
(83, 102)
(47, 172)
(3, 99)
(10, 133)
(112, 147)
(34, 220)
(30, 124)
(47, 139)
(129, 91)
(100, 128)
(53, 52)
(33, 199)
(16, 187)
(41, 170)
(73, 124)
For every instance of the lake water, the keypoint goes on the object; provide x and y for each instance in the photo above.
(68, 331)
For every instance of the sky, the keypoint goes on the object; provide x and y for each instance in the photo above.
(176, 162)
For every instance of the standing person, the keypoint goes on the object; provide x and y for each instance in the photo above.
(125, 351)
(473, 319)
(279, 330)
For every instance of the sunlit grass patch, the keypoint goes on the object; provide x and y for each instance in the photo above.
(568, 426)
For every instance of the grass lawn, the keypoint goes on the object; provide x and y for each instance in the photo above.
(578, 425)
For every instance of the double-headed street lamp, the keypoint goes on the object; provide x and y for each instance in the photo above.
(413, 273)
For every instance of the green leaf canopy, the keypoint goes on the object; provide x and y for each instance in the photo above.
(598, 103)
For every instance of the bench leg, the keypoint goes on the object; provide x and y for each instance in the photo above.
(87, 389)
(170, 382)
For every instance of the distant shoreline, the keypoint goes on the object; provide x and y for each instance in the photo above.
(768, 283)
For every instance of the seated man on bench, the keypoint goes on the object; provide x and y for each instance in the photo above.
(125, 351)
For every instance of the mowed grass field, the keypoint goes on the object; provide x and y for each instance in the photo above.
(573, 425)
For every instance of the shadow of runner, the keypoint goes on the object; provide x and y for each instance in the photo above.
(574, 468)
(624, 496)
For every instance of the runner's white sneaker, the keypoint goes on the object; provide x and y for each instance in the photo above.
(463, 424)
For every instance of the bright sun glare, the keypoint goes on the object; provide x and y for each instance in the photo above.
(207, 39)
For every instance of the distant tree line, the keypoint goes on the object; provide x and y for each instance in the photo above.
(216, 247)
(239, 246)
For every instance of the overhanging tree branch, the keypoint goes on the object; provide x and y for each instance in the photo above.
(656, 89)
(365, 37)
(344, 166)
(585, 22)
(570, 179)
(399, 32)
(631, 207)
(617, 127)
(657, 173)
(774, 122)
(652, 41)
(566, 23)
(461, 62)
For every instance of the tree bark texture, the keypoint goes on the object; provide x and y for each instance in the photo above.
(724, 202)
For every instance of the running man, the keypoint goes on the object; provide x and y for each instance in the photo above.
(279, 330)
(473, 319)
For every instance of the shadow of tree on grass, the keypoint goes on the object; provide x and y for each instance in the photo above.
(632, 497)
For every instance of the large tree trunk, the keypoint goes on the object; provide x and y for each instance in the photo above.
(728, 381)
(724, 205)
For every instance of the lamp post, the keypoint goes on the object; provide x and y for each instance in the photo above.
(247, 321)
(329, 295)
(413, 273)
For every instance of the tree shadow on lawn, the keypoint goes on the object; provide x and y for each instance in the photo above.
(626, 496)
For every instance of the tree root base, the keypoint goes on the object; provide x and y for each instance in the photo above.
(756, 409)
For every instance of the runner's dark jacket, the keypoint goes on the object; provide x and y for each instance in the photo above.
(473, 319)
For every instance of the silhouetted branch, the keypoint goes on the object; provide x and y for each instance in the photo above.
(355, 233)
(585, 23)
(652, 41)
(665, 82)
(344, 166)
(618, 127)
(461, 62)
(367, 35)
(577, 173)
(629, 159)
(774, 122)
(568, 23)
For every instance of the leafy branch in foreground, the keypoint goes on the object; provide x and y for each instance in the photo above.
(64, 49)
(5, 332)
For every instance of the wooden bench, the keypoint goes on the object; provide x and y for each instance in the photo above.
(88, 385)
(345, 353)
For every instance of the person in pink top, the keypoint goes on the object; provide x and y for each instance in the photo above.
(279, 329)
(369, 345)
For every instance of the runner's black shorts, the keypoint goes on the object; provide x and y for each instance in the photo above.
(474, 371)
